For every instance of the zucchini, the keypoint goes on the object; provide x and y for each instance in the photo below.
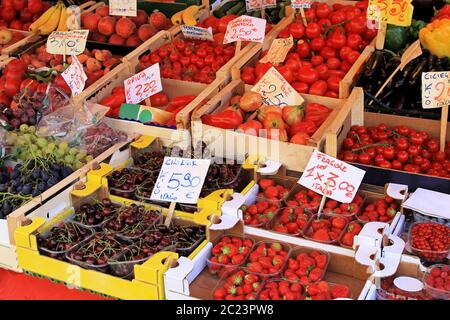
(222, 11)
(236, 8)
(242, 11)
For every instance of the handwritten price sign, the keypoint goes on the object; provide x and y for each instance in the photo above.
(143, 85)
(275, 90)
(278, 50)
(75, 77)
(67, 42)
(301, 4)
(254, 5)
(197, 33)
(180, 180)
(245, 28)
(397, 12)
(126, 8)
(435, 89)
(343, 179)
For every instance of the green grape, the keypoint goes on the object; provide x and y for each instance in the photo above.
(73, 151)
(42, 143)
(81, 155)
(59, 153)
(51, 147)
(63, 146)
(21, 141)
(77, 165)
(89, 158)
(11, 138)
(34, 148)
(32, 129)
(69, 159)
(38, 153)
(27, 137)
(23, 128)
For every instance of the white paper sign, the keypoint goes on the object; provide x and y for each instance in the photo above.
(301, 4)
(193, 32)
(143, 85)
(254, 5)
(180, 180)
(245, 28)
(126, 8)
(435, 89)
(275, 90)
(75, 77)
(278, 50)
(343, 179)
(67, 42)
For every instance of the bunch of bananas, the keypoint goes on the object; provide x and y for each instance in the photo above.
(187, 16)
(54, 19)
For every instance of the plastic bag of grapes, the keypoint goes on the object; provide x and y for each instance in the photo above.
(100, 137)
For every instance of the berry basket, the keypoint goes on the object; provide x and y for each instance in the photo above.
(279, 289)
(323, 222)
(286, 221)
(429, 281)
(82, 217)
(423, 235)
(259, 214)
(238, 285)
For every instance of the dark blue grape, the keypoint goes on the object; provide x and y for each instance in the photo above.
(44, 175)
(36, 173)
(66, 171)
(35, 193)
(3, 188)
(42, 186)
(26, 189)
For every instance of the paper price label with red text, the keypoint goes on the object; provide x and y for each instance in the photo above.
(278, 50)
(198, 33)
(67, 42)
(275, 90)
(331, 177)
(127, 8)
(396, 12)
(301, 4)
(435, 89)
(254, 5)
(143, 85)
(180, 180)
(245, 28)
(75, 77)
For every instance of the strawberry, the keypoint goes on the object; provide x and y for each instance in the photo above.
(261, 206)
(247, 243)
(255, 267)
(229, 249)
(347, 239)
(278, 261)
(223, 259)
(237, 259)
(321, 235)
(340, 291)
(391, 212)
(220, 293)
(292, 228)
(271, 252)
(280, 228)
(292, 264)
(315, 274)
(265, 183)
(250, 278)
(252, 210)
(323, 286)
(271, 193)
(266, 262)
(236, 279)
(276, 246)
(261, 250)
(332, 204)
(373, 216)
(338, 222)
(354, 227)
(321, 260)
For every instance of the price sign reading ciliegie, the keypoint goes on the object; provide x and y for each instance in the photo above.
(180, 180)
(143, 85)
(75, 77)
(126, 8)
(301, 4)
(275, 90)
(278, 50)
(198, 33)
(343, 180)
(435, 89)
(396, 12)
(67, 42)
(245, 28)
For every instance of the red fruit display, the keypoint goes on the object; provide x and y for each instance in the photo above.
(306, 267)
(327, 291)
(383, 210)
(347, 210)
(352, 230)
(389, 291)
(16, 14)
(238, 286)
(228, 253)
(325, 229)
(290, 220)
(430, 241)
(437, 281)
(267, 258)
(281, 290)
(305, 199)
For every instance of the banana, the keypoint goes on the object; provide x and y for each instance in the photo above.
(189, 13)
(62, 26)
(42, 19)
(177, 18)
(52, 23)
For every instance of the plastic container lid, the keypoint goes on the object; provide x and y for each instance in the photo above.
(429, 256)
(434, 292)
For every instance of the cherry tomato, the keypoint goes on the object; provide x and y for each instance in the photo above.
(344, 52)
(317, 60)
(352, 56)
(354, 41)
(303, 49)
(333, 63)
(323, 10)
(312, 30)
(328, 52)
(297, 30)
(317, 44)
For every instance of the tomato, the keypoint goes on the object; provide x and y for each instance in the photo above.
(159, 99)
(413, 150)
(308, 75)
(345, 66)
(333, 63)
(397, 165)
(317, 60)
(322, 71)
(262, 68)
(318, 88)
(364, 158)
(350, 156)
(286, 73)
(300, 138)
(324, 24)
(292, 64)
(310, 15)
(300, 87)
(317, 113)
(416, 139)
(433, 145)
(389, 153)
(251, 127)
(12, 87)
(332, 94)
(379, 158)
(333, 84)
(297, 30)
(303, 49)
(337, 17)
(337, 73)
(307, 126)
(344, 52)
(29, 84)
(425, 165)
(4, 99)
(317, 44)
(223, 22)
(411, 168)
(354, 41)
(337, 40)
(385, 164)
(402, 143)
(352, 56)
(312, 30)
(356, 25)
(218, 38)
(328, 52)
(440, 156)
(248, 77)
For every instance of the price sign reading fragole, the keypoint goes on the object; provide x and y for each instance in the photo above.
(275, 90)
(67, 42)
(301, 4)
(331, 177)
(278, 50)
(143, 85)
(396, 12)
(75, 77)
(198, 33)
(245, 28)
(126, 8)
(435, 89)
(180, 180)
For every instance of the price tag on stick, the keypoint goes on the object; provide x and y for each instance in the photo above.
(126, 8)
(75, 77)
(143, 85)
(275, 90)
(67, 42)
(193, 32)
(245, 28)
(331, 177)
(278, 50)
(435, 89)
(180, 180)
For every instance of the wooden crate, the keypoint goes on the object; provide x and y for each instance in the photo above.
(254, 55)
(148, 282)
(29, 38)
(357, 116)
(237, 145)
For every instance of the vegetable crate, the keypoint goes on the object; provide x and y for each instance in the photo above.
(254, 55)
(212, 200)
(181, 284)
(147, 282)
(17, 218)
(238, 145)
(379, 176)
